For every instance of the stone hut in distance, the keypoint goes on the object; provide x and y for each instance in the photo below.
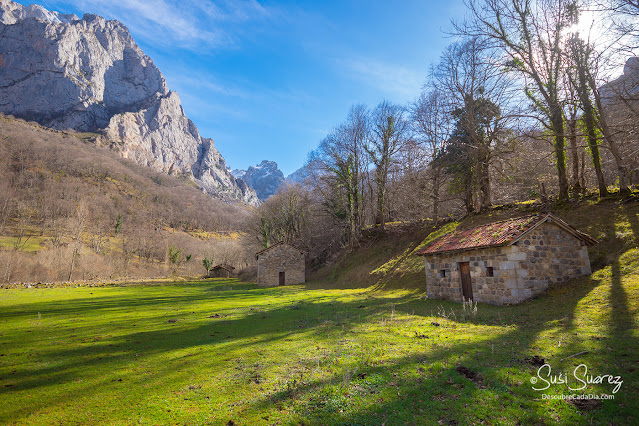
(280, 264)
(505, 262)
(221, 271)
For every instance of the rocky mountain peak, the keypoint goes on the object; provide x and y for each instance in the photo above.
(12, 12)
(631, 66)
(266, 168)
(299, 176)
(265, 178)
(89, 75)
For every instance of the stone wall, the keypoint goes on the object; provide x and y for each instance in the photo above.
(547, 255)
(219, 273)
(277, 259)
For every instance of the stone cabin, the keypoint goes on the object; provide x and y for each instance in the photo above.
(221, 271)
(505, 262)
(281, 264)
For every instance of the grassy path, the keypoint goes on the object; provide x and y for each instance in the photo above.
(218, 350)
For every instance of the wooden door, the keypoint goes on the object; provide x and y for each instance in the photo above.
(282, 278)
(467, 287)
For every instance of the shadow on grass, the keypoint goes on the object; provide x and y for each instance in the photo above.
(633, 220)
(429, 383)
(623, 359)
(441, 394)
(248, 326)
(427, 390)
(622, 323)
(218, 288)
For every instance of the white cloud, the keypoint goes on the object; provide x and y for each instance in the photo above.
(234, 10)
(396, 80)
(190, 24)
(203, 81)
(206, 82)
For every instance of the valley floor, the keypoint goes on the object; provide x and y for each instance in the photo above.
(214, 351)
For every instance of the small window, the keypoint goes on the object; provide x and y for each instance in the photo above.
(442, 273)
(490, 271)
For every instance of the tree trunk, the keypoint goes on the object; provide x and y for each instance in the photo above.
(557, 122)
(370, 199)
(435, 180)
(594, 150)
(355, 217)
(542, 193)
(381, 193)
(75, 252)
(354, 203)
(483, 178)
(583, 170)
(596, 160)
(468, 194)
(572, 128)
(589, 120)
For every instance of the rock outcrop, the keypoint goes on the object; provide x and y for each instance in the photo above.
(266, 178)
(299, 176)
(89, 75)
(625, 87)
(11, 12)
(620, 99)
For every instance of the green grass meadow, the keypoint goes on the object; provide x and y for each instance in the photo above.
(214, 351)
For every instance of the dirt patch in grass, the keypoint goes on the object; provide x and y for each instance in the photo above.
(535, 361)
(471, 375)
(584, 404)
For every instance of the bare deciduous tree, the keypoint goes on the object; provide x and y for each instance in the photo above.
(390, 131)
(432, 123)
(579, 58)
(77, 226)
(531, 34)
(479, 98)
(340, 161)
(284, 217)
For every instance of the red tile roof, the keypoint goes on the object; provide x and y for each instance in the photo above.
(497, 234)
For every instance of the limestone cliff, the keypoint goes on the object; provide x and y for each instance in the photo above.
(625, 87)
(89, 75)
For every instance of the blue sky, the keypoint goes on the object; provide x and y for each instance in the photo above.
(268, 80)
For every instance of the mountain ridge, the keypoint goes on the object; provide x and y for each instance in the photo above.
(266, 178)
(88, 74)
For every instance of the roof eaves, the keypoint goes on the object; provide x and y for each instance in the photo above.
(536, 221)
(278, 244)
(550, 218)
(465, 249)
(590, 241)
(501, 244)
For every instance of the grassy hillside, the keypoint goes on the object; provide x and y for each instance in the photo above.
(71, 208)
(391, 262)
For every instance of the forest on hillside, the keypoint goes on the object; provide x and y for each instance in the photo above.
(526, 103)
(73, 210)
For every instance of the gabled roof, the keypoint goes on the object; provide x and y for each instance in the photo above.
(223, 266)
(276, 245)
(498, 234)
